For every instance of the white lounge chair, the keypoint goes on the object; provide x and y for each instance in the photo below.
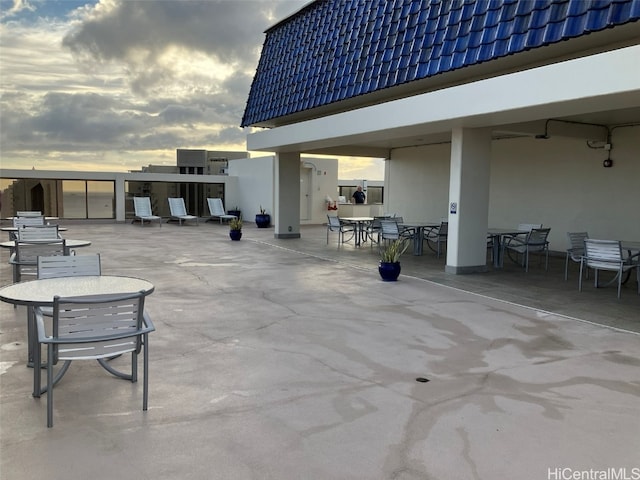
(179, 211)
(142, 206)
(216, 210)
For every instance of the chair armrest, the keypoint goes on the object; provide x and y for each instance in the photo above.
(149, 326)
(513, 241)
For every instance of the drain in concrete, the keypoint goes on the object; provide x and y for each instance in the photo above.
(422, 380)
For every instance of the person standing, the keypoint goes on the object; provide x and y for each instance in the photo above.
(359, 195)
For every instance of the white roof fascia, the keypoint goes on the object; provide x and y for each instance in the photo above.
(601, 82)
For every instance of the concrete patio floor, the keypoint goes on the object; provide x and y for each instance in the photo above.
(290, 359)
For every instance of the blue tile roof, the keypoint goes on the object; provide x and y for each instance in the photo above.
(333, 50)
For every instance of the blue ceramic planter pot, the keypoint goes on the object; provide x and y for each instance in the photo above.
(235, 234)
(389, 271)
(263, 220)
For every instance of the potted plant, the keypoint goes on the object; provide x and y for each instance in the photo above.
(389, 266)
(263, 219)
(235, 211)
(235, 228)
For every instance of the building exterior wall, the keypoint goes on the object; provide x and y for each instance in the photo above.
(256, 185)
(559, 182)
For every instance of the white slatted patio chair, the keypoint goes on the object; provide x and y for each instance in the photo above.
(38, 233)
(24, 259)
(335, 225)
(606, 255)
(217, 211)
(28, 221)
(68, 266)
(535, 242)
(179, 211)
(436, 237)
(28, 213)
(142, 207)
(575, 250)
(373, 230)
(95, 327)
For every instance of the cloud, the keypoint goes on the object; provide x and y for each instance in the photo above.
(127, 81)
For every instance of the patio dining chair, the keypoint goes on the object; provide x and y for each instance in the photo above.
(93, 327)
(606, 255)
(535, 242)
(179, 211)
(437, 236)
(28, 213)
(390, 230)
(24, 259)
(38, 233)
(28, 221)
(142, 207)
(216, 210)
(575, 250)
(342, 228)
(68, 266)
(373, 230)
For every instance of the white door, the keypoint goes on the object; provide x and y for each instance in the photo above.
(306, 178)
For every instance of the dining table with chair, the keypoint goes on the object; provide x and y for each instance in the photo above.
(41, 293)
(360, 224)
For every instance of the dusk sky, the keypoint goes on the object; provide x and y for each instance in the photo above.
(113, 85)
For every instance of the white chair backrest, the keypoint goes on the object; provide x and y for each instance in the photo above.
(538, 236)
(603, 253)
(28, 253)
(389, 229)
(142, 206)
(334, 222)
(38, 232)
(28, 213)
(216, 207)
(529, 226)
(22, 221)
(101, 316)
(177, 207)
(576, 241)
(68, 266)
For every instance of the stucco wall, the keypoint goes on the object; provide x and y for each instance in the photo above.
(256, 185)
(559, 182)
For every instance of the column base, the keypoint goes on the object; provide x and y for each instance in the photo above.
(286, 235)
(466, 269)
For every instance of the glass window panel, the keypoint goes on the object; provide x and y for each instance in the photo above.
(101, 197)
(74, 199)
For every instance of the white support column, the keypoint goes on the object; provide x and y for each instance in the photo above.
(287, 195)
(468, 200)
(120, 197)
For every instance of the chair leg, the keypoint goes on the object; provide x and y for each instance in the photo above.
(566, 267)
(49, 385)
(546, 261)
(145, 375)
(580, 279)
